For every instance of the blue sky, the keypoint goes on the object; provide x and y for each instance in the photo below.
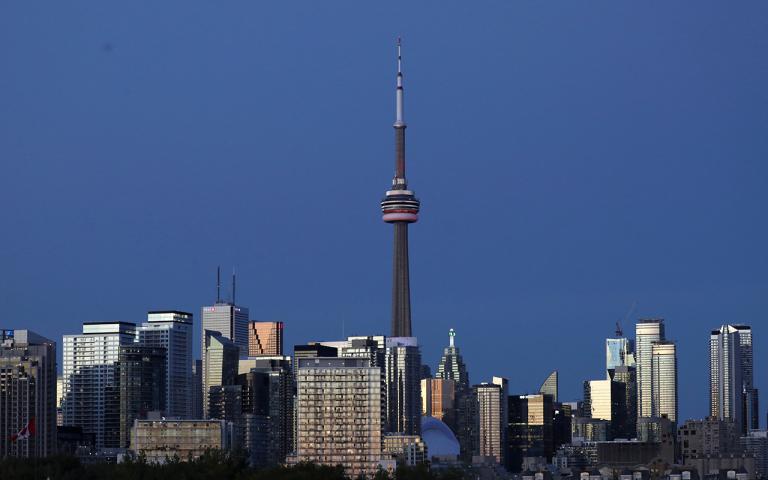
(571, 157)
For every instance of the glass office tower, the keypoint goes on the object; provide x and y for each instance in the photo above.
(221, 365)
(140, 379)
(403, 383)
(265, 339)
(618, 353)
(529, 429)
(551, 386)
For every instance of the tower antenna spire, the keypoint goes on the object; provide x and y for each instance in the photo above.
(400, 107)
(233, 285)
(218, 284)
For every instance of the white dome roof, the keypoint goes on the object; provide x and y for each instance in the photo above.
(439, 438)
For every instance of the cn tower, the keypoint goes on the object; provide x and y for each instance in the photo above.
(400, 207)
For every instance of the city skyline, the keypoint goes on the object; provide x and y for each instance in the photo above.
(516, 149)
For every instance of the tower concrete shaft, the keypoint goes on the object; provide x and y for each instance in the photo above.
(401, 285)
(400, 207)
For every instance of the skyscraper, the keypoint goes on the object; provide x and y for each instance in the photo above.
(618, 353)
(272, 397)
(627, 377)
(141, 386)
(664, 377)
(400, 208)
(452, 367)
(550, 386)
(197, 389)
(399, 359)
(403, 368)
(265, 339)
(438, 399)
(731, 382)
(530, 428)
(606, 400)
(340, 414)
(230, 320)
(221, 365)
(89, 378)
(646, 333)
(27, 394)
(492, 419)
(172, 331)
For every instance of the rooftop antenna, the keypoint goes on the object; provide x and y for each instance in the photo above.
(218, 284)
(233, 285)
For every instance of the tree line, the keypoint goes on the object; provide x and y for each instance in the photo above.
(212, 465)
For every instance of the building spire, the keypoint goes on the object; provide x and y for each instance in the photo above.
(399, 115)
(451, 336)
(218, 284)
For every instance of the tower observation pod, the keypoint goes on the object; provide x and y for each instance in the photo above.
(400, 207)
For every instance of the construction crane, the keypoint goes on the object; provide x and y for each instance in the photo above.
(619, 331)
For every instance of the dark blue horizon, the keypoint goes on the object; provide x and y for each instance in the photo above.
(571, 158)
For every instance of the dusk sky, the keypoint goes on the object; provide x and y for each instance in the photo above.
(571, 157)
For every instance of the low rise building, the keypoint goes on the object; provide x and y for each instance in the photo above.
(160, 440)
(709, 436)
(408, 450)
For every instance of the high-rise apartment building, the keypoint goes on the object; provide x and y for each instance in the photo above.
(400, 361)
(89, 378)
(340, 414)
(27, 394)
(400, 208)
(492, 419)
(220, 367)
(646, 333)
(265, 339)
(731, 378)
(373, 347)
(664, 378)
(172, 331)
(141, 385)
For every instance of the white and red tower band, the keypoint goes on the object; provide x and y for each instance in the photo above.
(400, 207)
